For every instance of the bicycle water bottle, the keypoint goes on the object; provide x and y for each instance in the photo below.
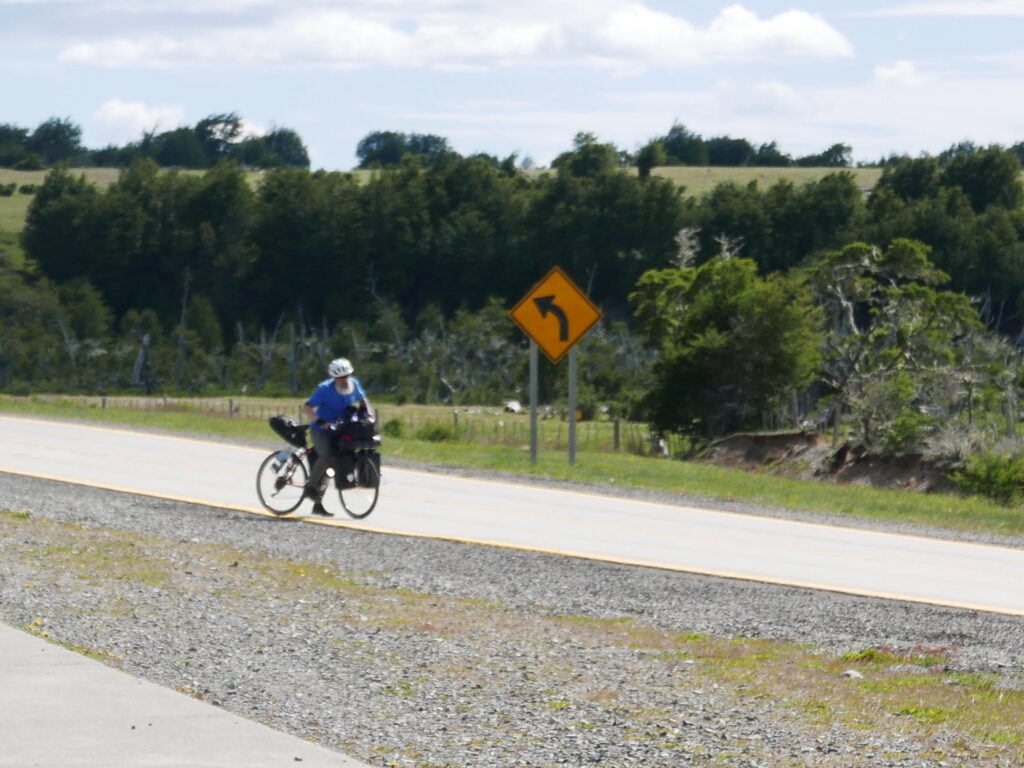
(282, 457)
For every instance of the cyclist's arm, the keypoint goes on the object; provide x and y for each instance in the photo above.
(308, 412)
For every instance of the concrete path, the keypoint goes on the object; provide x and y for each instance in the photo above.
(59, 709)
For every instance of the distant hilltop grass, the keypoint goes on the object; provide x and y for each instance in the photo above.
(695, 180)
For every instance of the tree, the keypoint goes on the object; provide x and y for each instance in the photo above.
(87, 314)
(27, 334)
(276, 150)
(386, 149)
(988, 177)
(606, 229)
(726, 151)
(180, 148)
(910, 179)
(55, 140)
(588, 157)
(287, 148)
(733, 211)
(12, 144)
(836, 156)
(63, 225)
(730, 344)
(217, 133)
(890, 332)
(770, 155)
(381, 149)
(684, 147)
(650, 156)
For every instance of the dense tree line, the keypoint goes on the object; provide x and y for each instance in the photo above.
(820, 302)
(680, 146)
(216, 137)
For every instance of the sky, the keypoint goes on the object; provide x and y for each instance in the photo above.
(524, 76)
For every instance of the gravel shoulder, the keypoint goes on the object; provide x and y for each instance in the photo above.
(412, 652)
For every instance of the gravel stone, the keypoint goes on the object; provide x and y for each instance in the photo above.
(382, 651)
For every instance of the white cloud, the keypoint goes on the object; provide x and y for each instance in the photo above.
(119, 122)
(977, 8)
(445, 34)
(332, 39)
(902, 73)
(738, 32)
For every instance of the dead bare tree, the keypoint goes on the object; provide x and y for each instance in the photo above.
(179, 365)
(266, 353)
(389, 315)
(728, 246)
(687, 247)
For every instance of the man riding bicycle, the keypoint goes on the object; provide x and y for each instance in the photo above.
(331, 400)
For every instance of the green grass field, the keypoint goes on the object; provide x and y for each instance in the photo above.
(698, 181)
(592, 466)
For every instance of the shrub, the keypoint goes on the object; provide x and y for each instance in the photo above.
(998, 476)
(393, 428)
(30, 162)
(28, 189)
(6, 190)
(435, 432)
(907, 431)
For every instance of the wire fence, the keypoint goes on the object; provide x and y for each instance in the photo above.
(475, 425)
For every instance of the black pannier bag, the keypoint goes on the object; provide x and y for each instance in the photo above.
(344, 469)
(374, 458)
(289, 429)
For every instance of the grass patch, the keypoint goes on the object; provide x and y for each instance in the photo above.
(698, 181)
(920, 656)
(616, 469)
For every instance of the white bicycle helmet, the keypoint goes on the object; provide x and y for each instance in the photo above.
(340, 367)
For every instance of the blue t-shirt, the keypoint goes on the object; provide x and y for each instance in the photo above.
(330, 404)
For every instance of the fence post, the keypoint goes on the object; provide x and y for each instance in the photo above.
(615, 438)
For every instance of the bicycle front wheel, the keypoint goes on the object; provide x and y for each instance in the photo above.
(279, 484)
(360, 500)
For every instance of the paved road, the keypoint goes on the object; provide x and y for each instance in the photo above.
(424, 504)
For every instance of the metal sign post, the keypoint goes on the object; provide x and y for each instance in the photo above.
(534, 365)
(572, 406)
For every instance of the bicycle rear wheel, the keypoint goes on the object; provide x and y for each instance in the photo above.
(280, 484)
(360, 500)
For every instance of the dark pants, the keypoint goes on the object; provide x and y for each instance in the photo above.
(322, 442)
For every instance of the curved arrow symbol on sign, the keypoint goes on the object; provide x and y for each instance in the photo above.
(547, 304)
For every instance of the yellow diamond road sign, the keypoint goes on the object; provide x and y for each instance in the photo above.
(555, 314)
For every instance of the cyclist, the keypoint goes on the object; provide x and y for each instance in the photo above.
(329, 402)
